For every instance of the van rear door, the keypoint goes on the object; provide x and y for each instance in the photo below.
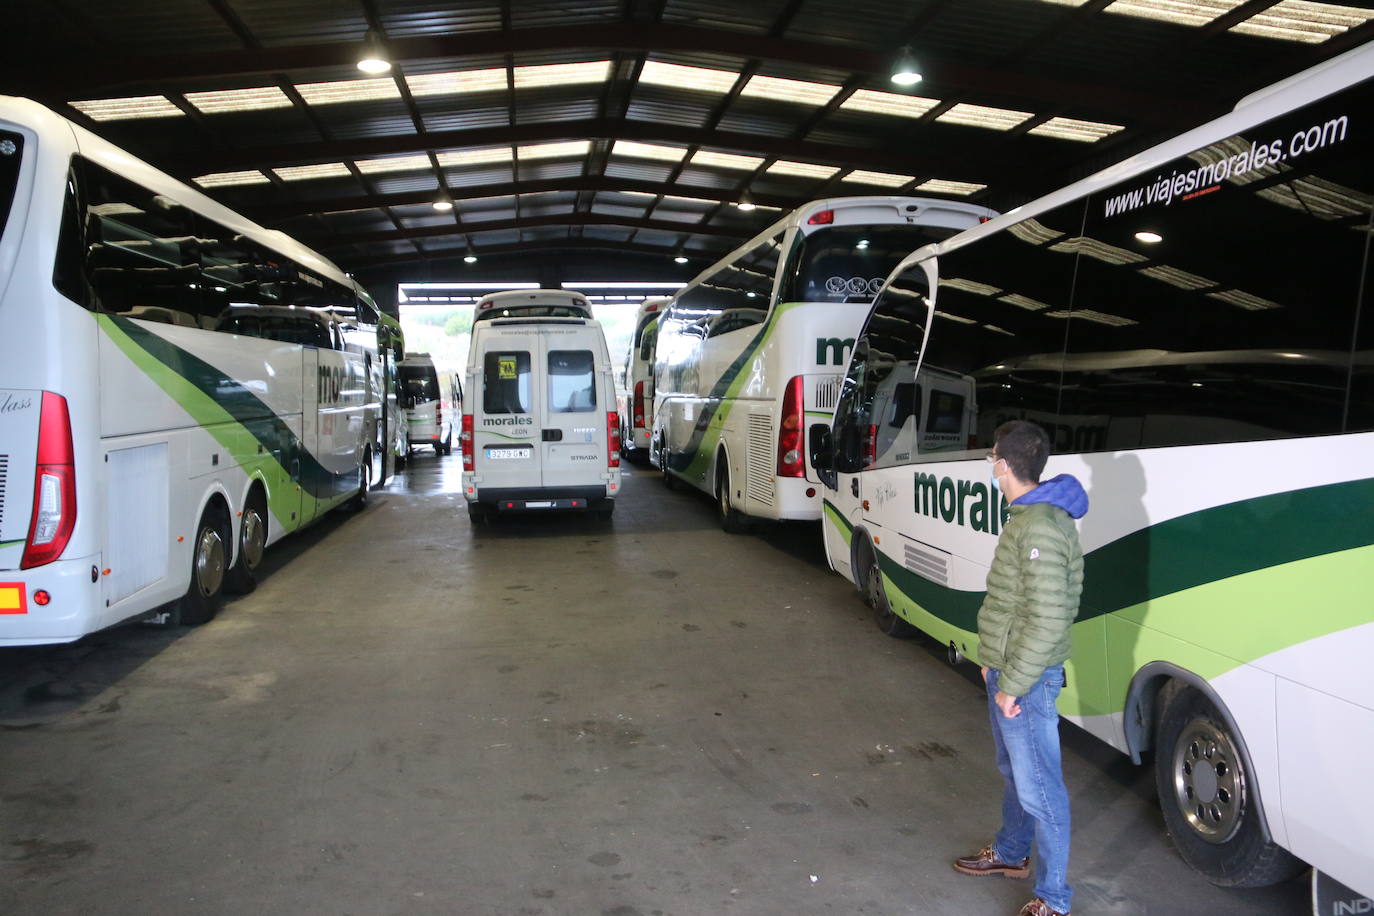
(506, 447)
(574, 418)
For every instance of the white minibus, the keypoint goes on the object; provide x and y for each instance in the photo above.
(540, 431)
(532, 303)
(637, 402)
(431, 398)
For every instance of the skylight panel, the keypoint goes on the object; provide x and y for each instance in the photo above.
(1244, 300)
(486, 156)
(224, 179)
(726, 160)
(883, 179)
(336, 91)
(1092, 248)
(1193, 13)
(648, 151)
(457, 82)
(889, 103)
(1023, 302)
(784, 90)
(259, 99)
(984, 116)
(941, 186)
(554, 150)
(1301, 20)
(392, 164)
(138, 106)
(1034, 232)
(1111, 321)
(959, 318)
(969, 286)
(1175, 277)
(595, 71)
(689, 200)
(1074, 129)
(677, 76)
(320, 170)
(801, 169)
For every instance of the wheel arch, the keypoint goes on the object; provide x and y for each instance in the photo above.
(1145, 702)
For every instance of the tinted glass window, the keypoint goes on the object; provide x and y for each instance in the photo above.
(648, 338)
(1236, 324)
(506, 381)
(572, 381)
(877, 419)
(420, 383)
(850, 263)
(11, 154)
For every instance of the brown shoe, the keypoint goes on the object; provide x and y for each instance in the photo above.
(1038, 907)
(985, 862)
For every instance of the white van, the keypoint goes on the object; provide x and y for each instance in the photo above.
(532, 303)
(541, 430)
(637, 404)
(431, 399)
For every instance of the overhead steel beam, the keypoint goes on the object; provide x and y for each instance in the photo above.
(530, 222)
(522, 248)
(964, 164)
(71, 77)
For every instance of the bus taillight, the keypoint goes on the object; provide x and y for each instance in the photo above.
(821, 218)
(639, 405)
(791, 462)
(54, 485)
(465, 442)
(613, 439)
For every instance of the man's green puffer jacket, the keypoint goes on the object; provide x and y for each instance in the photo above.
(1033, 586)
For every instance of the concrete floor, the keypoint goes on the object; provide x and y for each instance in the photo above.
(646, 717)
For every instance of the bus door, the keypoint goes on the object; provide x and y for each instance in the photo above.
(573, 420)
(506, 430)
(306, 467)
(843, 493)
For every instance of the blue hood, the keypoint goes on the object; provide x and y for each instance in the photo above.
(1063, 491)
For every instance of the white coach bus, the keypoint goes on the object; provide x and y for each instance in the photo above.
(1195, 329)
(179, 388)
(756, 344)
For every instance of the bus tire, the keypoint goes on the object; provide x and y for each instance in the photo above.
(875, 596)
(669, 480)
(1210, 806)
(477, 513)
(445, 447)
(731, 519)
(209, 556)
(243, 577)
(359, 500)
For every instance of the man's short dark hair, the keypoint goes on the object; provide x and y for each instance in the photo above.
(1025, 446)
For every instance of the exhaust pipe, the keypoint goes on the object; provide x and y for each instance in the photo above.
(953, 655)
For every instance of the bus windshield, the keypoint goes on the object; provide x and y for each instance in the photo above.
(850, 263)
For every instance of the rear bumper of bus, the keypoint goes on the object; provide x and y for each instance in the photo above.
(790, 501)
(541, 499)
(73, 607)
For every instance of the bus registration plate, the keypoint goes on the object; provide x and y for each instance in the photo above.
(509, 454)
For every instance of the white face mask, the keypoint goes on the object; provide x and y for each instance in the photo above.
(996, 484)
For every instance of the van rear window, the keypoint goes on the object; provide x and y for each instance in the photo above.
(572, 381)
(506, 382)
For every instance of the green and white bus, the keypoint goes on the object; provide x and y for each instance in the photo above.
(757, 342)
(1195, 329)
(179, 388)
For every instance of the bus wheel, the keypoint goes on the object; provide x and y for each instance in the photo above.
(243, 577)
(445, 447)
(477, 514)
(731, 519)
(875, 596)
(1210, 805)
(669, 480)
(359, 501)
(205, 596)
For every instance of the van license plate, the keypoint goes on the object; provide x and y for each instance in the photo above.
(506, 454)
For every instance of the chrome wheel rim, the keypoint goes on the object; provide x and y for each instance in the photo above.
(254, 539)
(873, 590)
(1209, 784)
(209, 562)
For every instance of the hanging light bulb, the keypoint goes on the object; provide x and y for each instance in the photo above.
(906, 72)
(746, 203)
(469, 258)
(679, 260)
(373, 59)
(443, 205)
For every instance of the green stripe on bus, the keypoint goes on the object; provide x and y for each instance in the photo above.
(233, 415)
(4, 544)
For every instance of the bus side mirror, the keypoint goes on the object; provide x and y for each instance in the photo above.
(823, 454)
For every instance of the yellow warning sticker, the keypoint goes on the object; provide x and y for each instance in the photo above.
(12, 598)
(506, 367)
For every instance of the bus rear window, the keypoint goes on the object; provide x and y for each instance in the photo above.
(421, 383)
(11, 155)
(850, 263)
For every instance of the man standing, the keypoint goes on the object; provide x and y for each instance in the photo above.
(1023, 631)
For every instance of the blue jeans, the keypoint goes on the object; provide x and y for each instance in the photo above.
(1035, 804)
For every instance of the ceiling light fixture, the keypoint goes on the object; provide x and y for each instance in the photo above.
(469, 258)
(746, 203)
(1149, 238)
(373, 58)
(443, 205)
(679, 260)
(906, 72)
